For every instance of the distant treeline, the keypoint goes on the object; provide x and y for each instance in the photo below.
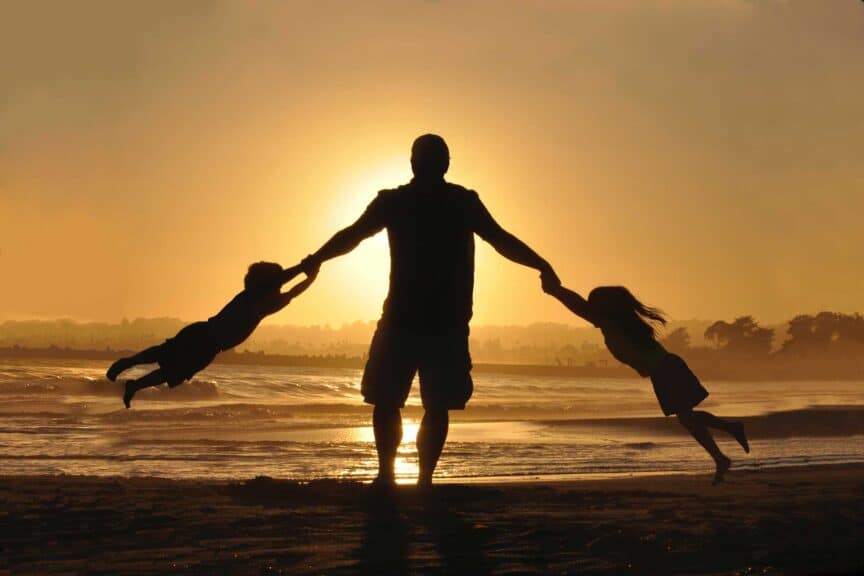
(827, 345)
(229, 357)
(539, 343)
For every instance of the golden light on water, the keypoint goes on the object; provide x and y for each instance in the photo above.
(407, 470)
(406, 467)
(366, 434)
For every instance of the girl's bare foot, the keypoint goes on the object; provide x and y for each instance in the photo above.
(128, 394)
(740, 436)
(722, 467)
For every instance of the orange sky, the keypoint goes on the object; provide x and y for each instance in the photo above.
(703, 152)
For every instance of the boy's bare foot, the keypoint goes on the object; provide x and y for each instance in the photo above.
(722, 467)
(740, 436)
(115, 369)
(128, 394)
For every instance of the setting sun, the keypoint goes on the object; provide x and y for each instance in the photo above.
(362, 276)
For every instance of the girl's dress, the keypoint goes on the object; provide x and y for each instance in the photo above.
(676, 387)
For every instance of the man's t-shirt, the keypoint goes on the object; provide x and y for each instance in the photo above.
(431, 229)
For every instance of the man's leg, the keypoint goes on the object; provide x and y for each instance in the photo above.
(387, 424)
(430, 442)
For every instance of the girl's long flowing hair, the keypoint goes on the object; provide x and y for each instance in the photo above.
(617, 304)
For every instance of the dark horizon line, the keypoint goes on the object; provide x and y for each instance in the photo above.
(581, 324)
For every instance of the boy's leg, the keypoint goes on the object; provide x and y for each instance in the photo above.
(148, 356)
(733, 428)
(430, 442)
(703, 436)
(154, 378)
(387, 424)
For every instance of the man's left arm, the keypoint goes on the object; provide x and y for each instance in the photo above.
(509, 245)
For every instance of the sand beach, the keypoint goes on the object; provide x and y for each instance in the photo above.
(802, 520)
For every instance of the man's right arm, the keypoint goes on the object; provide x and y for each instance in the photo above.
(344, 241)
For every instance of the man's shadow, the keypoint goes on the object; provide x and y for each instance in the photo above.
(384, 549)
(388, 536)
(458, 542)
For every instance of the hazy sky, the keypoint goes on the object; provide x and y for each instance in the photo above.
(705, 153)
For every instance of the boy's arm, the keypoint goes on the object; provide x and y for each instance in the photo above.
(288, 274)
(575, 303)
(286, 297)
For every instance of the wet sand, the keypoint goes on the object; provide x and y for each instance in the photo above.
(805, 520)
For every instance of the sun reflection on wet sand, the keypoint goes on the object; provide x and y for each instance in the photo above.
(407, 467)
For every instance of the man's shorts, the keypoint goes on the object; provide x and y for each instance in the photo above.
(440, 354)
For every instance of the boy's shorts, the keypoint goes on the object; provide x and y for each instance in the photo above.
(187, 353)
(439, 353)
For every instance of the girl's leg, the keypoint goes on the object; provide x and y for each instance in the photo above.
(700, 432)
(148, 356)
(154, 378)
(731, 427)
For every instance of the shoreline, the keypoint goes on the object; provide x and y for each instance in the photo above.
(552, 480)
(793, 520)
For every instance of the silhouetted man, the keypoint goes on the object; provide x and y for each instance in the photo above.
(424, 326)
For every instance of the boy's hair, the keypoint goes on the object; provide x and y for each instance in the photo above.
(263, 275)
(618, 304)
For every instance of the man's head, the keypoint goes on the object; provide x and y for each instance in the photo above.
(430, 157)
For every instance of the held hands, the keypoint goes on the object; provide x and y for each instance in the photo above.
(549, 280)
(311, 274)
(310, 265)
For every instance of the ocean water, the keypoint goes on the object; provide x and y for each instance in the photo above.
(60, 416)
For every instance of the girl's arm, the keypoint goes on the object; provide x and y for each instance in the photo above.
(575, 303)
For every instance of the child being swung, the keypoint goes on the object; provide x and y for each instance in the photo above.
(196, 345)
(627, 329)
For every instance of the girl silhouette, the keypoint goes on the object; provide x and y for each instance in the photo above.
(628, 330)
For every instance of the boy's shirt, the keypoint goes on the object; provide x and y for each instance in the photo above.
(238, 319)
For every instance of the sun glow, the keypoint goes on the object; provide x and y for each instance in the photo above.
(406, 465)
(363, 275)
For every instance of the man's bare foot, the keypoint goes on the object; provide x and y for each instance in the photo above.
(740, 436)
(424, 484)
(384, 482)
(128, 394)
(722, 467)
(115, 369)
